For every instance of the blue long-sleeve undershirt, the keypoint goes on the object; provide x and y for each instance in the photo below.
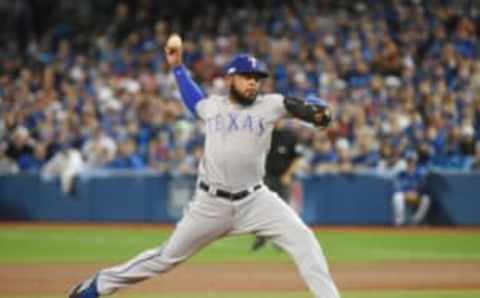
(189, 90)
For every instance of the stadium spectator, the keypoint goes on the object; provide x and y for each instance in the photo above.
(7, 165)
(127, 158)
(365, 155)
(409, 193)
(67, 163)
(21, 147)
(189, 165)
(343, 163)
(323, 156)
(100, 150)
(391, 162)
(405, 71)
(159, 153)
(475, 161)
(34, 162)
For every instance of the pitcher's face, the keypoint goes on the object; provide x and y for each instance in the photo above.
(244, 88)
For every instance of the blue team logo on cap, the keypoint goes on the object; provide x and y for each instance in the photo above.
(253, 61)
(246, 64)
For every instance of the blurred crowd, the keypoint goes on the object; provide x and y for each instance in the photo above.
(403, 79)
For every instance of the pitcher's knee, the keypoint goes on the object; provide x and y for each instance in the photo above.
(307, 235)
(297, 238)
(171, 258)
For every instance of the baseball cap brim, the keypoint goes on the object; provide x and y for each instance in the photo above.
(259, 74)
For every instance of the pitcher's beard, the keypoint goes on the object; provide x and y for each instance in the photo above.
(241, 99)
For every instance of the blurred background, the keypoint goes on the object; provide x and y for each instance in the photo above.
(92, 130)
(85, 95)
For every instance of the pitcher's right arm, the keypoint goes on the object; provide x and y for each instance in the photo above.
(189, 90)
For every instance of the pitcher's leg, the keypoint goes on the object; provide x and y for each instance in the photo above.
(299, 241)
(267, 215)
(201, 224)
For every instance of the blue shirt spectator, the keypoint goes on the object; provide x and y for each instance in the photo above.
(127, 158)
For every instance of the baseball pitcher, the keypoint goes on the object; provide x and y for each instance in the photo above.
(231, 198)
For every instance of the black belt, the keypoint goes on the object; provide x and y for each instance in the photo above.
(229, 195)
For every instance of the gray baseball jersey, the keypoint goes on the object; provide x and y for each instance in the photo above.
(237, 140)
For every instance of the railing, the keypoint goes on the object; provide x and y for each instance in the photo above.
(353, 199)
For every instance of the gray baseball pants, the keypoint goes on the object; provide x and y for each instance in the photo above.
(208, 218)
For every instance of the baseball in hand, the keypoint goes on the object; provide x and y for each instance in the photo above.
(174, 42)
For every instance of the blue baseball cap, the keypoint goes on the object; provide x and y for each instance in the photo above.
(246, 64)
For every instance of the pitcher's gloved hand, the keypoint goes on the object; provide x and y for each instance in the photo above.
(322, 112)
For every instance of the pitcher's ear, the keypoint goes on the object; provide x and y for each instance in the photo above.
(228, 80)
